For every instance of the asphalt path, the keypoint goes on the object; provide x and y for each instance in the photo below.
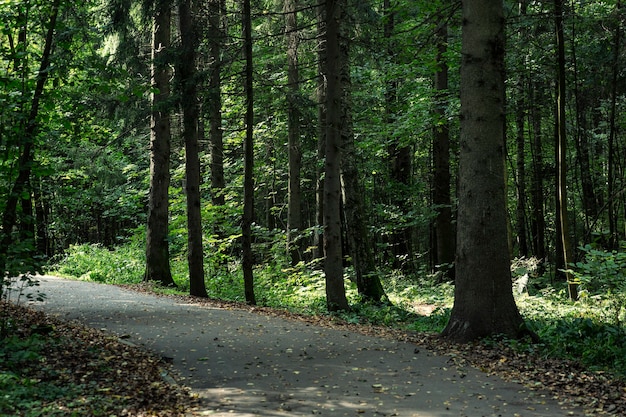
(246, 364)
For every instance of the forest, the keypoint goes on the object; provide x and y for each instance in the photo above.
(358, 158)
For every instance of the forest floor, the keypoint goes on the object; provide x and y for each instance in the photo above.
(248, 361)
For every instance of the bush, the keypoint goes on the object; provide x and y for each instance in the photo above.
(602, 280)
(123, 265)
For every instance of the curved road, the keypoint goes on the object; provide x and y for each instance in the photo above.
(247, 364)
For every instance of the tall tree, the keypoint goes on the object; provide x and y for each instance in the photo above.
(538, 217)
(318, 238)
(248, 149)
(294, 215)
(157, 243)
(333, 262)
(20, 192)
(520, 139)
(189, 102)
(399, 151)
(612, 161)
(483, 297)
(444, 230)
(563, 238)
(360, 245)
(216, 38)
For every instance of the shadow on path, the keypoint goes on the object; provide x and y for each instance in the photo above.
(246, 364)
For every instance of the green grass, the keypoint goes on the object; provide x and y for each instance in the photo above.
(590, 331)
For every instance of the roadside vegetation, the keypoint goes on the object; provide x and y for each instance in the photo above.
(48, 367)
(591, 331)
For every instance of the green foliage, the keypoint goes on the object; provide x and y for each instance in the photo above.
(602, 279)
(25, 395)
(602, 272)
(123, 265)
(580, 331)
(583, 331)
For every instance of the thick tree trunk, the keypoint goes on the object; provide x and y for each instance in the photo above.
(444, 230)
(187, 72)
(157, 246)
(248, 149)
(294, 215)
(333, 263)
(483, 298)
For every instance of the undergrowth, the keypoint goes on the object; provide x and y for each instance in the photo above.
(590, 331)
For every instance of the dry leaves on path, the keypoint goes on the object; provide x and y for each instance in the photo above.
(598, 393)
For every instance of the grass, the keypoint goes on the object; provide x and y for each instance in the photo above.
(590, 331)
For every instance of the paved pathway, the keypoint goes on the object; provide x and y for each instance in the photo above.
(247, 364)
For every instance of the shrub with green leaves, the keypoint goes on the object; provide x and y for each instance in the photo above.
(601, 272)
(602, 278)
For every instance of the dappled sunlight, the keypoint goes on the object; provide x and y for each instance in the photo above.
(247, 364)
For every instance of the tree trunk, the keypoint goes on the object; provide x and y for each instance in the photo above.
(614, 238)
(21, 185)
(318, 237)
(294, 215)
(187, 72)
(157, 246)
(248, 148)
(561, 154)
(367, 281)
(444, 230)
(214, 103)
(521, 172)
(333, 263)
(483, 298)
(399, 155)
(538, 222)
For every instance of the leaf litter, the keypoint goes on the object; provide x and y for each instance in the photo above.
(109, 375)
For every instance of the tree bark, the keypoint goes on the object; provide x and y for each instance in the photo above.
(333, 263)
(318, 237)
(367, 281)
(248, 148)
(444, 230)
(561, 154)
(294, 215)
(187, 72)
(614, 238)
(520, 139)
(483, 298)
(538, 222)
(400, 160)
(157, 244)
